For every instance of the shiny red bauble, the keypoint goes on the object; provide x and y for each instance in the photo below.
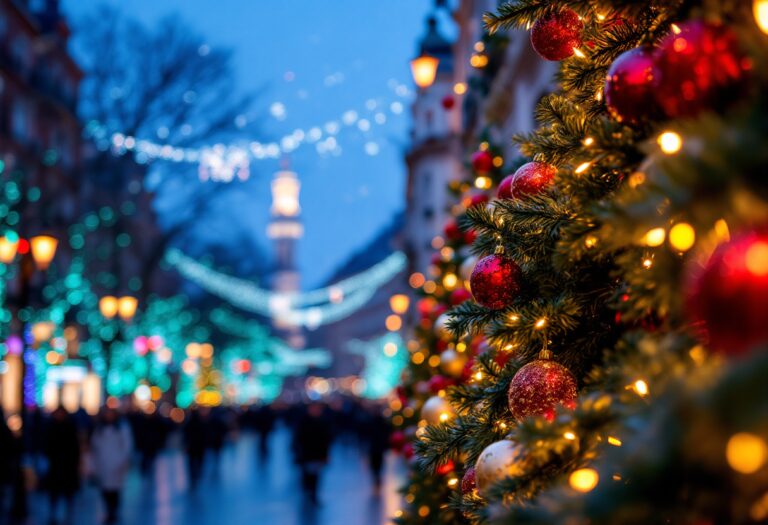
(539, 387)
(629, 87)
(468, 483)
(448, 102)
(438, 383)
(452, 231)
(482, 162)
(701, 67)
(460, 295)
(554, 36)
(496, 281)
(730, 294)
(529, 179)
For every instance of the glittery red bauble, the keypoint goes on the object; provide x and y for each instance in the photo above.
(438, 383)
(482, 162)
(629, 89)
(700, 68)
(554, 36)
(460, 295)
(448, 102)
(730, 294)
(495, 281)
(539, 387)
(468, 483)
(529, 179)
(452, 231)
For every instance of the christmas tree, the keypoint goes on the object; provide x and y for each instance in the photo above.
(611, 367)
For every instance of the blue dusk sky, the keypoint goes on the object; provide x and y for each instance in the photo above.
(318, 59)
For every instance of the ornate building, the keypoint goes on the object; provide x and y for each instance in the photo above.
(285, 229)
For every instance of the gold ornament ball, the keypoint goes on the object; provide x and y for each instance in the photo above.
(452, 363)
(437, 410)
(498, 461)
(441, 327)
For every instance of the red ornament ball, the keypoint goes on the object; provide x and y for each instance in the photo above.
(397, 440)
(482, 162)
(452, 231)
(496, 281)
(539, 387)
(448, 102)
(468, 483)
(460, 295)
(629, 86)
(554, 36)
(701, 67)
(529, 179)
(730, 294)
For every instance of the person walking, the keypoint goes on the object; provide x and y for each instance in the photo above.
(313, 440)
(61, 447)
(111, 447)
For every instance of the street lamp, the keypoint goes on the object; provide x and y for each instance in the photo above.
(8, 248)
(126, 307)
(108, 306)
(43, 249)
(424, 70)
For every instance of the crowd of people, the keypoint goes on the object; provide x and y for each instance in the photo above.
(60, 452)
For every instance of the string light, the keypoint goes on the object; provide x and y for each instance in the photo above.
(583, 480)
(682, 236)
(670, 142)
(746, 453)
(760, 10)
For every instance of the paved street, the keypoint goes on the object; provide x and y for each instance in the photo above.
(246, 491)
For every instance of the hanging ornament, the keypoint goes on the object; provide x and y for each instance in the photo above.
(529, 179)
(438, 383)
(468, 483)
(441, 327)
(629, 86)
(730, 294)
(497, 462)
(539, 387)
(460, 295)
(452, 363)
(700, 67)
(556, 35)
(452, 231)
(437, 410)
(495, 281)
(467, 267)
(448, 102)
(482, 162)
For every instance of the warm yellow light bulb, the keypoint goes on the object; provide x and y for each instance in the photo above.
(584, 479)
(670, 142)
(760, 10)
(682, 236)
(746, 453)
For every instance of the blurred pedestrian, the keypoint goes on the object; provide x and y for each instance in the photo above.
(111, 447)
(312, 442)
(377, 436)
(61, 447)
(194, 442)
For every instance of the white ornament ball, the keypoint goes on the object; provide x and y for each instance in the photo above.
(437, 410)
(498, 461)
(466, 268)
(441, 327)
